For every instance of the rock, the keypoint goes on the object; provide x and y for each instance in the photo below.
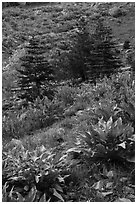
(116, 12)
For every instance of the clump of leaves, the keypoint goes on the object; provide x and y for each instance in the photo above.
(110, 109)
(31, 176)
(66, 95)
(128, 113)
(110, 140)
(42, 113)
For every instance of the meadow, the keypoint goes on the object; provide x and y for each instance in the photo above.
(79, 144)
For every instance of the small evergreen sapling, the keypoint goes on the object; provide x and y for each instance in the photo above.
(35, 74)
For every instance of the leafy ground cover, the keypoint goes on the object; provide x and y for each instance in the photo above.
(80, 146)
(95, 141)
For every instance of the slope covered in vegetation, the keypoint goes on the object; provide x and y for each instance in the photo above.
(68, 136)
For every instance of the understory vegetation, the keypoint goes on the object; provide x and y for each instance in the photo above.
(68, 120)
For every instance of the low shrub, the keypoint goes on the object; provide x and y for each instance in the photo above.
(66, 95)
(41, 114)
(109, 139)
(31, 176)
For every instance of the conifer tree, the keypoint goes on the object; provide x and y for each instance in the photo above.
(104, 59)
(35, 73)
(94, 53)
(80, 52)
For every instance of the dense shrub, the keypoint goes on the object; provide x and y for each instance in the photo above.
(31, 176)
(41, 114)
(66, 95)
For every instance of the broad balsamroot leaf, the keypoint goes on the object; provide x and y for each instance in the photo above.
(107, 193)
(87, 137)
(58, 188)
(74, 149)
(123, 145)
(60, 179)
(43, 198)
(57, 195)
(98, 185)
(122, 200)
(102, 133)
(20, 198)
(131, 159)
(42, 148)
(109, 123)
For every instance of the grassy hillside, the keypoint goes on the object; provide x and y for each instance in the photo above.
(57, 20)
(79, 146)
(57, 24)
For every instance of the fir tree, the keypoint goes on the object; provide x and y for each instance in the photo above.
(35, 73)
(94, 53)
(80, 51)
(104, 59)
